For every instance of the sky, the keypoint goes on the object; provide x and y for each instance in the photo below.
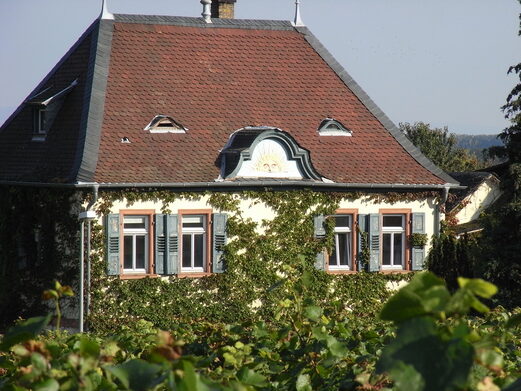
(443, 62)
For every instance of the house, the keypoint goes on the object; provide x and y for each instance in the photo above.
(199, 107)
(482, 190)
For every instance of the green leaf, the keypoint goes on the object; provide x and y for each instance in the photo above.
(514, 321)
(406, 378)
(47, 385)
(89, 347)
(478, 286)
(24, 331)
(313, 312)
(442, 364)
(303, 382)
(425, 294)
(251, 378)
(137, 375)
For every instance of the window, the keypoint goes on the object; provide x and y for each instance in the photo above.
(341, 257)
(165, 124)
(135, 244)
(141, 242)
(194, 243)
(40, 121)
(393, 241)
(332, 127)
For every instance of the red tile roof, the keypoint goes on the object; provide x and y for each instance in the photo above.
(215, 79)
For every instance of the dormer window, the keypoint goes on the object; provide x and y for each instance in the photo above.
(165, 124)
(332, 127)
(39, 122)
(46, 106)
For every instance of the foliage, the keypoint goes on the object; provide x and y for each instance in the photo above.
(450, 257)
(440, 147)
(37, 246)
(435, 347)
(55, 295)
(256, 258)
(418, 240)
(500, 243)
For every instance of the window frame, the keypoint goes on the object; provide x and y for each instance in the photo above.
(149, 245)
(207, 243)
(352, 268)
(406, 229)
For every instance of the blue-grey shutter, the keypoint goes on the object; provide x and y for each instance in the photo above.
(374, 242)
(113, 245)
(362, 228)
(160, 243)
(320, 233)
(172, 244)
(418, 253)
(219, 241)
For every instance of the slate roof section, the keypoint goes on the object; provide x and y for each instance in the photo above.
(215, 79)
(51, 161)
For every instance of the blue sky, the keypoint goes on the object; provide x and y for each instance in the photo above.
(442, 62)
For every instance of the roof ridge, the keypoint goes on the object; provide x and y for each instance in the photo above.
(188, 21)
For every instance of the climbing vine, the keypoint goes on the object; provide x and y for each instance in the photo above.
(258, 257)
(39, 242)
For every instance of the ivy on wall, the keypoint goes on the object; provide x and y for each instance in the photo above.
(39, 242)
(258, 259)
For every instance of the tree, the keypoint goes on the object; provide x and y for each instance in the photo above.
(501, 240)
(440, 147)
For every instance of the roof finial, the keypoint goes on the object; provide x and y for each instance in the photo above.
(298, 20)
(105, 14)
(207, 13)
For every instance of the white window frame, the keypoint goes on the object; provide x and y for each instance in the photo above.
(193, 231)
(393, 230)
(40, 125)
(134, 233)
(343, 230)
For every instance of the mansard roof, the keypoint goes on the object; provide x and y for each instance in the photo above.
(214, 79)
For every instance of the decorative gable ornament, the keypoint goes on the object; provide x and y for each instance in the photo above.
(165, 124)
(332, 127)
(265, 152)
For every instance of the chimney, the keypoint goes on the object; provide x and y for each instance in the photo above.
(223, 9)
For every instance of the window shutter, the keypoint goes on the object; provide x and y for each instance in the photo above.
(160, 243)
(362, 228)
(113, 245)
(418, 253)
(320, 233)
(374, 242)
(219, 241)
(172, 244)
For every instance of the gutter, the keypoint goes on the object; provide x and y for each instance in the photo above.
(240, 185)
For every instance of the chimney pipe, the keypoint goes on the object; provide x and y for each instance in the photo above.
(206, 10)
(223, 9)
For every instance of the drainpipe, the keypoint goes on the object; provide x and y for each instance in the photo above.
(87, 216)
(440, 204)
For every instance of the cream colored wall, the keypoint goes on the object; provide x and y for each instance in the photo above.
(477, 202)
(259, 212)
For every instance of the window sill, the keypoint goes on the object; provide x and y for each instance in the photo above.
(193, 275)
(342, 271)
(394, 271)
(137, 276)
(39, 138)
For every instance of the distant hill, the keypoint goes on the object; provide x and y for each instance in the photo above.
(476, 143)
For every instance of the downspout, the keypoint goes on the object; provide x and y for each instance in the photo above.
(439, 215)
(88, 215)
(94, 199)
